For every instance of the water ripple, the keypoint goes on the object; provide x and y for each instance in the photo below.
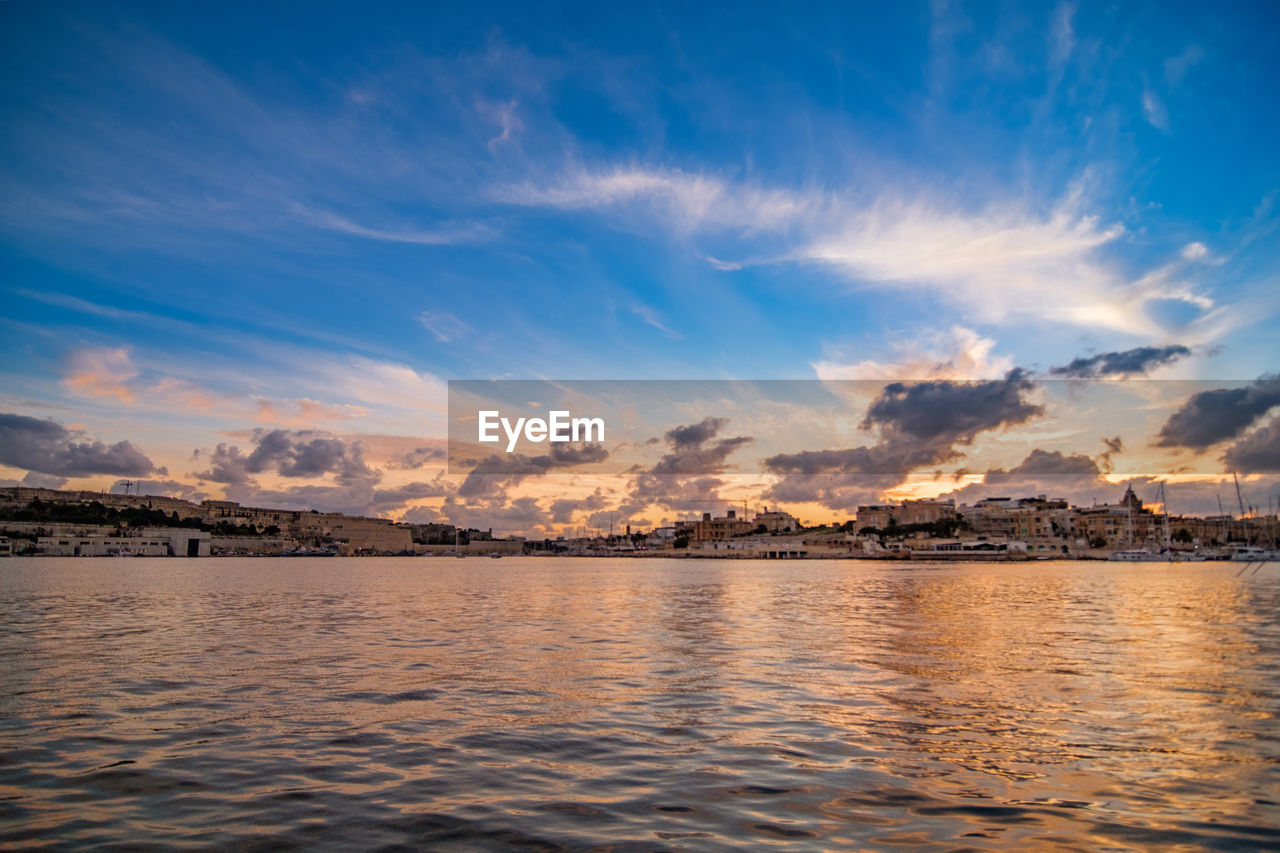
(536, 704)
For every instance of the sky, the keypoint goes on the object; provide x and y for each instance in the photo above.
(245, 249)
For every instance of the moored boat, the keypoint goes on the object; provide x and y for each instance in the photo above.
(1254, 554)
(1144, 555)
(1136, 555)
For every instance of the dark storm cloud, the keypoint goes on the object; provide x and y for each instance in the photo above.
(303, 454)
(606, 521)
(692, 455)
(500, 515)
(422, 515)
(1213, 416)
(349, 499)
(1040, 463)
(885, 458)
(845, 491)
(920, 424)
(226, 465)
(944, 413)
(271, 448)
(683, 493)
(1073, 477)
(566, 455)
(399, 495)
(359, 498)
(48, 447)
(1134, 362)
(36, 480)
(161, 488)
(692, 435)
(1115, 446)
(300, 454)
(562, 510)
(853, 460)
(494, 474)
(682, 476)
(1257, 452)
(844, 479)
(693, 460)
(415, 458)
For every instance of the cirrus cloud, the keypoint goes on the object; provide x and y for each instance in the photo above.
(997, 261)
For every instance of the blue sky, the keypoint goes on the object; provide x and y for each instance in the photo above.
(221, 219)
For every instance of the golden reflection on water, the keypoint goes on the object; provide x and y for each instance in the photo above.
(812, 704)
(1073, 681)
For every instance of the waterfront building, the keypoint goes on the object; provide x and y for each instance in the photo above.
(717, 529)
(777, 521)
(881, 516)
(109, 542)
(183, 542)
(924, 511)
(102, 546)
(1122, 525)
(878, 516)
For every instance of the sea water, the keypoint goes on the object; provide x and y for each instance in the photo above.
(646, 704)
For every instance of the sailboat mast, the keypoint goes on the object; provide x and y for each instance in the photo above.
(1240, 500)
(1164, 506)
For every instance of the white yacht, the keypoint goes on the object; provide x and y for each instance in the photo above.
(1254, 554)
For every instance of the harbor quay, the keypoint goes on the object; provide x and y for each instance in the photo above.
(92, 524)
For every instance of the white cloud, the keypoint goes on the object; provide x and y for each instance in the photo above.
(504, 115)
(443, 325)
(1153, 108)
(1176, 67)
(385, 383)
(1063, 39)
(1195, 252)
(1000, 262)
(152, 385)
(102, 372)
(445, 236)
(689, 201)
(644, 312)
(957, 353)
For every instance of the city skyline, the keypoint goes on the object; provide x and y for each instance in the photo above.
(245, 250)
